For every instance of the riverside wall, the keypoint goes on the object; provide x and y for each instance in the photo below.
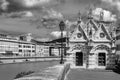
(5, 60)
(57, 72)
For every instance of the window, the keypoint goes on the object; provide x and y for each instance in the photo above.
(29, 46)
(79, 35)
(33, 50)
(32, 46)
(20, 45)
(102, 35)
(29, 50)
(24, 46)
(20, 50)
(101, 59)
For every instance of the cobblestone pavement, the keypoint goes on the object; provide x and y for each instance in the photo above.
(77, 74)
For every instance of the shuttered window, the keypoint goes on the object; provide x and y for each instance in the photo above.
(101, 59)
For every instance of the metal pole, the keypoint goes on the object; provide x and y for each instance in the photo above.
(61, 61)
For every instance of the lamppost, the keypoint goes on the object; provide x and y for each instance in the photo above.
(62, 27)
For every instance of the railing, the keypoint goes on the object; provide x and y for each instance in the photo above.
(19, 57)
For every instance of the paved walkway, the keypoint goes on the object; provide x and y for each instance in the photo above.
(77, 74)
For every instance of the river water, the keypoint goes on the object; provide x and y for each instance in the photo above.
(9, 71)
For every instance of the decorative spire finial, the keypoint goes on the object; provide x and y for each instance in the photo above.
(90, 13)
(79, 17)
(79, 14)
(101, 15)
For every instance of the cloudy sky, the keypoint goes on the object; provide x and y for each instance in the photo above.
(25, 16)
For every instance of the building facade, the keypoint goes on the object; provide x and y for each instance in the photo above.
(8, 46)
(27, 49)
(92, 45)
(56, 49)
(21, 46)
(42, 50)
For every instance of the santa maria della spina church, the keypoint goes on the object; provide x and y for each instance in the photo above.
(92, 44)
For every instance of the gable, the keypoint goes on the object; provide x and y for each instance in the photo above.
(92, 23)
(104, 29)
(101, 34)
(91, 28)
(82, 31)
(78, 35)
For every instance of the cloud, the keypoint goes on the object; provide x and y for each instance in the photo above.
(57, 34)
(20, 8)
(17, 5)
(20, 14)
(31, 3)
(53, 14)
(27, 14)
(50, 19)
(4, 4)
(107, 15)
(115, 3)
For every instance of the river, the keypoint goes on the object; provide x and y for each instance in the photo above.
(9, 71)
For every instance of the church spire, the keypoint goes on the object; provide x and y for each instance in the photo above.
(79, 17)
(90, 13)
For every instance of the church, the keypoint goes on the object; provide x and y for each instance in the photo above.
(92, 44)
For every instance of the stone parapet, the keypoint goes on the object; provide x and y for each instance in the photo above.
(57, 72)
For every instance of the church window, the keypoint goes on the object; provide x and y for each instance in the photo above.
(79, 35)
(101, 59)
(102, 35)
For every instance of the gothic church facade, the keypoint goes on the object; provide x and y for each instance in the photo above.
(92, 44)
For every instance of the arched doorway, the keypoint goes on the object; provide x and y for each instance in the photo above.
(101, 59)
(79, 59)
(104, 53)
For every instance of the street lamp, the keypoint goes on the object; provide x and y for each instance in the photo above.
(62, 27)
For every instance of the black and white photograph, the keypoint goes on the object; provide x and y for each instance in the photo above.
(59, 39)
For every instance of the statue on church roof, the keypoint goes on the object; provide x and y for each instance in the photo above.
(101, 15)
